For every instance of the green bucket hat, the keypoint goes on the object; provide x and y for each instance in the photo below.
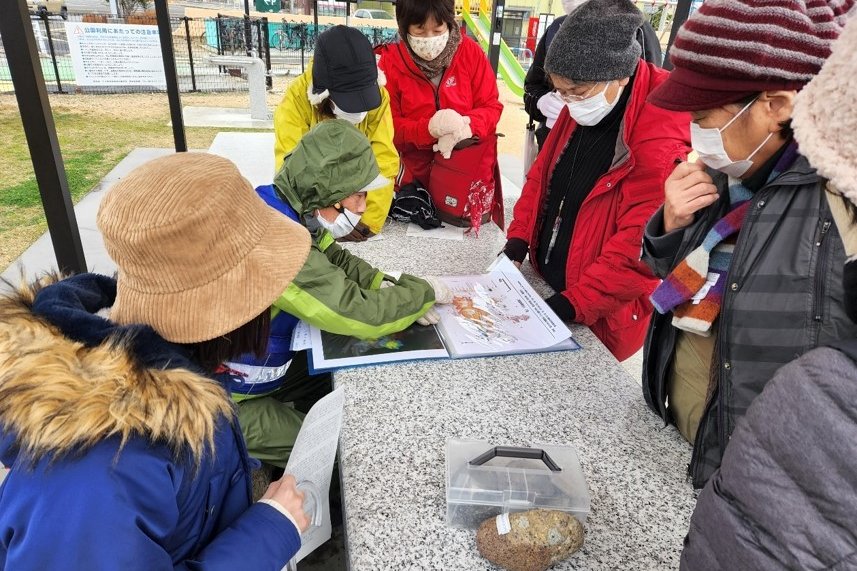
(331, 162)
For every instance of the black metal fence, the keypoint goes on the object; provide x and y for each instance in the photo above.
(285, 46)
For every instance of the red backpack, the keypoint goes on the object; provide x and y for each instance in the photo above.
(466, 187)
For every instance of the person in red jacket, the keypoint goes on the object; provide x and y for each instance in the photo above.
(443, 93)
(599, 177)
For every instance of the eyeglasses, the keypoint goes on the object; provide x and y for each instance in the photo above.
(572, 97)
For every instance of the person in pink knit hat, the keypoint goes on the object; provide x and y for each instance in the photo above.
(786, 492)
(745, 243)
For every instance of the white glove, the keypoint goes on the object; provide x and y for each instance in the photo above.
(551, 106)
(442, 293)
(430, 317)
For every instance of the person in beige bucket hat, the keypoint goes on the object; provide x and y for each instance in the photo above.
(181, 252)
(123, 443)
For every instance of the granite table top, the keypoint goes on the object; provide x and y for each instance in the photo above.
(398, 418)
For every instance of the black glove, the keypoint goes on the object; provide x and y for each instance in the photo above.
(562, 307)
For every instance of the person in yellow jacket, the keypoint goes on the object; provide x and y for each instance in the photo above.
(343, 82)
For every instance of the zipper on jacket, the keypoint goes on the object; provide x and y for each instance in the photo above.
(820, 274)
(435, 89)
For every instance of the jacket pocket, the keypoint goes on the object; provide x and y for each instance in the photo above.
(211, 509)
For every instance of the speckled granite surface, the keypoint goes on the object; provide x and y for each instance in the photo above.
(399, 417)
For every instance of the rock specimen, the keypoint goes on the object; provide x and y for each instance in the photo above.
(529, 541)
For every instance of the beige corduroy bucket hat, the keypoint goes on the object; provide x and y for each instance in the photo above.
(199, 252)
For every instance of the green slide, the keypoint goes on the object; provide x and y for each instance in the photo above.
(510, 69)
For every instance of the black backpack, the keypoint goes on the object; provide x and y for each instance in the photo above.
(413, 204)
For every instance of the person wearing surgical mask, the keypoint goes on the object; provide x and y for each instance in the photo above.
(540, 99)
(326, 91)
(443, 92)
(745, 242)
(597, 179)
(325, 184)
(795, 450)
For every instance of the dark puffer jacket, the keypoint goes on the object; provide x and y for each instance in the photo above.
(783, 298)
(786, 494)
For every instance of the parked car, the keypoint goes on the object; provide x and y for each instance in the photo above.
(48, 8)
(373, 14)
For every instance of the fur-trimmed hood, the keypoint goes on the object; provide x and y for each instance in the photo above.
(70, 378)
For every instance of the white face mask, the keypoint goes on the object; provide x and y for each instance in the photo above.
(591, 111)
(709, 144)
(570, 5)
(428, 48)
(353, 118)
(344, 224)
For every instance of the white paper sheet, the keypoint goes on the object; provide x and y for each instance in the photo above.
(301, 339)
(312, 460)
(446, 232)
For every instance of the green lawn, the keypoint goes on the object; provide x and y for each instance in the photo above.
(95, 133)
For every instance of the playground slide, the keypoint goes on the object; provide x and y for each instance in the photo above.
(510, 69)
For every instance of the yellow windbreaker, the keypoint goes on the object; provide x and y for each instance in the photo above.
(295, 116)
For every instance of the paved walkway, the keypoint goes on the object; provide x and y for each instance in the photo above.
(250, 151)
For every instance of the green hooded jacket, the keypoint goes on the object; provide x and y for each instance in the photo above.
(335, 290)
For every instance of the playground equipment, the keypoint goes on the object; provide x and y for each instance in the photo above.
(509, 67)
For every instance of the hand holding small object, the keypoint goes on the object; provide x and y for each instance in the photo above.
(687, 190)
(286, 494)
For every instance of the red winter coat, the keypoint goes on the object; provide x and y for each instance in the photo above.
(468, 86)
(606, 283)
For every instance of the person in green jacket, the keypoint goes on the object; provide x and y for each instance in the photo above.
(323, 184)
(343, 82)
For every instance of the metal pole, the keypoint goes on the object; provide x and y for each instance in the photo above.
(219, 44)
(53, 52)
(189, 52)
(28, 81)
(496, 34)
(165, 33)
(347, 12)
(266, 32)
(682, 11)
(248, 35)
(315, 14)
(303, 28)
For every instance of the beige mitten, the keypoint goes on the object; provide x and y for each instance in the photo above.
(446, 143)
(445, 122)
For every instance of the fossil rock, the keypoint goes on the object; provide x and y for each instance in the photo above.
(534, 541)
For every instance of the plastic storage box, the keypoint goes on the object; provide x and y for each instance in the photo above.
(483, 481)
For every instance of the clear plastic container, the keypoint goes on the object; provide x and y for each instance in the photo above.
(483, 481)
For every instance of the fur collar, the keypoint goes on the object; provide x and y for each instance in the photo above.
(70, 379)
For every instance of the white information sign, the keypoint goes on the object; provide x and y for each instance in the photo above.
(115, 54)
